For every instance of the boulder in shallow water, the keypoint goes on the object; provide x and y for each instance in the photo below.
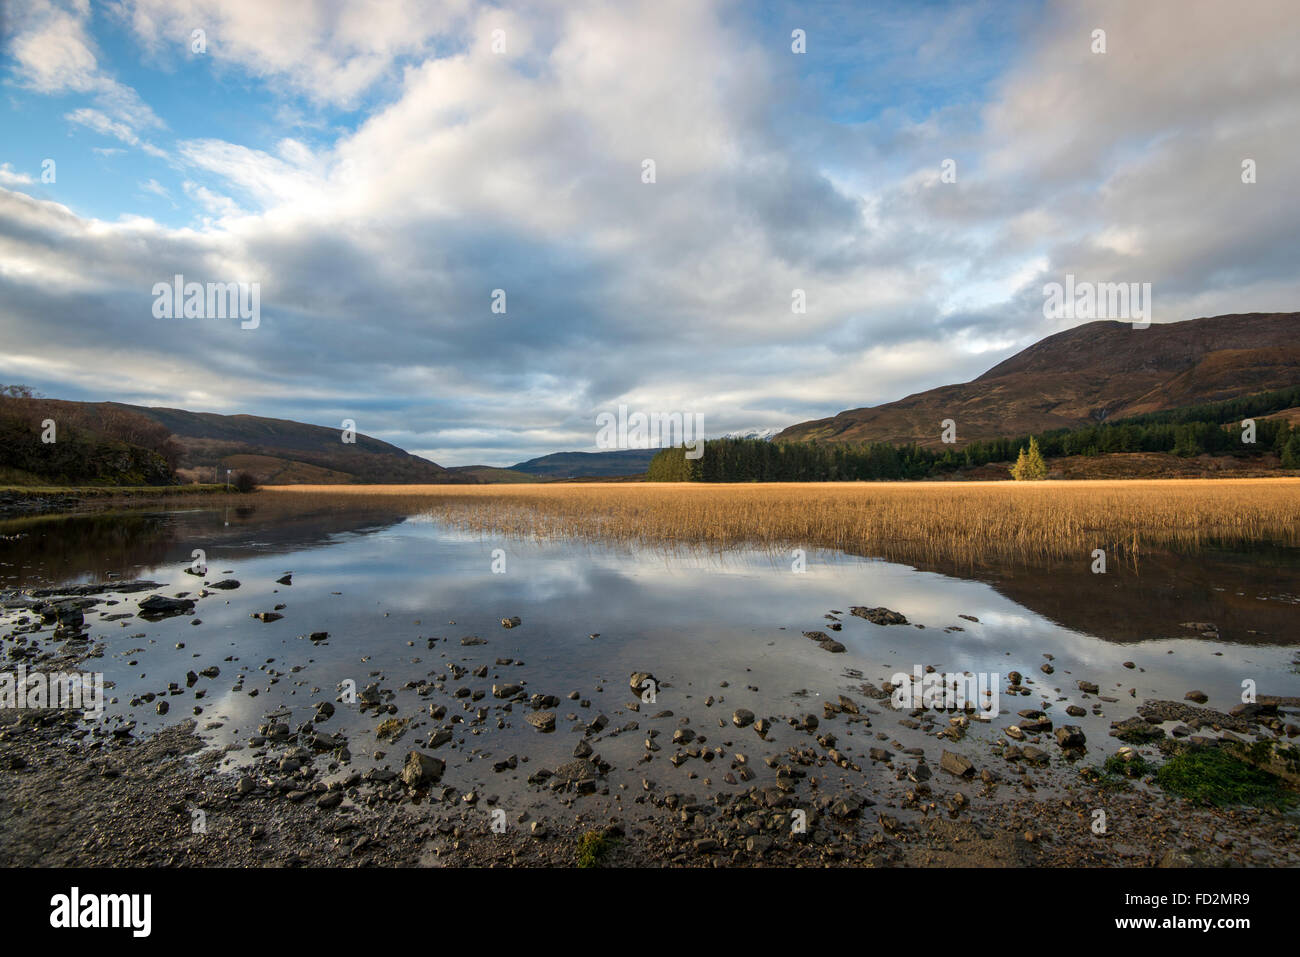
(878, 616)
(421, 769)
(160, 606)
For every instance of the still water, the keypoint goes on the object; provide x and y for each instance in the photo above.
(397, 594)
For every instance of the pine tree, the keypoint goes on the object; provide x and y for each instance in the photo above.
(1291, 452)
(1018, 471)
(1029, 465)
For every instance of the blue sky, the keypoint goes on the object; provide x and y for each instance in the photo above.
(379, 170)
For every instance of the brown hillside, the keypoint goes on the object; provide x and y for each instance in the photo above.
(1096, 371)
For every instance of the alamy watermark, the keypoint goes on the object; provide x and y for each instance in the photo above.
(1101, 300)
(650, 430)
(74, 691)
(179, 299)
(946, 691)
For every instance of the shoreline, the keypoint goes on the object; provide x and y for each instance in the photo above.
(862, 783)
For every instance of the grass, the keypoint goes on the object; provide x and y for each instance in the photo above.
(1214, 776)
(970, 522)
(592, 848)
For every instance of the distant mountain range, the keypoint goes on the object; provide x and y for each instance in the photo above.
(1092, 373)
(562, 465)
(1088, 374)
(283, 452)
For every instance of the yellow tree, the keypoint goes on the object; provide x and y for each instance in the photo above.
(1029, 465)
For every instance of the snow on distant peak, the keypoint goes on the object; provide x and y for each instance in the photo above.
(765, 434)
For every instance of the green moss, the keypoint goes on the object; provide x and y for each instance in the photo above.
(1138, 735)
(1114, 772)
(1214, 776)
(592, 847)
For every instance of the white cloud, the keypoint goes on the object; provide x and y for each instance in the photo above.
(52, 53)
(8, 177)
(377, 250)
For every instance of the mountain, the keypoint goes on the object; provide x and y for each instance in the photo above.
(52, 442)
(488, 475)
(1093, 372)
(280, 451)
(612, 464)
(767, 435)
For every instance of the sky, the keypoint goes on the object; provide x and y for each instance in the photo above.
(379, 170)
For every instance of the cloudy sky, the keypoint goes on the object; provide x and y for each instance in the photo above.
(380, 169)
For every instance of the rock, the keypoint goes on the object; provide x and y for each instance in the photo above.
(438, 738)
(421, 769)
(226, 584)
(266, 616)
(159, 606)
(1200, 697)
(542, 720)
(506, 691)
(329, 800)
(834, 647)
(643, 681)
(1136, 730)
(470, 640)
(878, 616)
(577, 771)
(285, 579)
(956, 764)
(1035, 755)
(1087, 687)
(1070, 736)
(513, 622)
(742, 718)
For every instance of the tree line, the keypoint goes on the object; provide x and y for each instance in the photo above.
(1213, 428)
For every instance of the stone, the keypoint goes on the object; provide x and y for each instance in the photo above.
(956, 764)
(542, 720)
(159, 606)
(878, 616)
(421, 769)
(1070, 736)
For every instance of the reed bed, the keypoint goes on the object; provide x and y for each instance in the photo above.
(965, 523)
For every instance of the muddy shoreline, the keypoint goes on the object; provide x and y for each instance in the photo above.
(612, 780)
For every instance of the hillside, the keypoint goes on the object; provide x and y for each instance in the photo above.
(51, 442)
(1085, 375)
(564, 465)
(489, 475)
(282, 452)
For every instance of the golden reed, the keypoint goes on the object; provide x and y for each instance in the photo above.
(968, 522)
